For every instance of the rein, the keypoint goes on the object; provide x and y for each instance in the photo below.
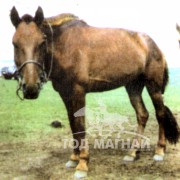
(45, 76)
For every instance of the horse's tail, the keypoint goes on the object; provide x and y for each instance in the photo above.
(172, 131)
(165, 78)
(163, 113)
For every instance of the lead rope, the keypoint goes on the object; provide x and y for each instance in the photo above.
(19, 89)
(52, 49)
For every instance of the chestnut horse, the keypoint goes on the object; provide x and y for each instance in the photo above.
(78, 59)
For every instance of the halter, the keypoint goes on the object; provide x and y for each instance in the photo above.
(17, 75)
(17, 72)
(45, 76)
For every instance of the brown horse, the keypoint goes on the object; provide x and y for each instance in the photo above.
(78, 59)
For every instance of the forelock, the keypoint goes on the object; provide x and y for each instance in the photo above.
(27, 18)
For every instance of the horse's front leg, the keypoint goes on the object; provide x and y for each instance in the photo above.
(80, 156)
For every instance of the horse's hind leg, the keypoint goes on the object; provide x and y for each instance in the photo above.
(157, 100)
(168, 127)
(134, 91)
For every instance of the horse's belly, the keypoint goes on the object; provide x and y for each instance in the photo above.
(97, 84)
(101, 86)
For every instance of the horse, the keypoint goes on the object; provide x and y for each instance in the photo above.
(78, 58)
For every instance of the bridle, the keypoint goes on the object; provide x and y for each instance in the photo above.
(18, 71)
(44, 77)
(17, 75)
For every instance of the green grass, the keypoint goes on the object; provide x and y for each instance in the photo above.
(30, 119)
(25, 119)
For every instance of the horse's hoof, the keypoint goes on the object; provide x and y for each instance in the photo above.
(80, 174)
(71, 164)
(158, 157)
(129, 158)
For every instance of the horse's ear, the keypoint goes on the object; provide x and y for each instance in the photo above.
(39, 16)
(178, 28)
(15, 19)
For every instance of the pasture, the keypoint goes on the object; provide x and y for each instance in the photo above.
(31, 149)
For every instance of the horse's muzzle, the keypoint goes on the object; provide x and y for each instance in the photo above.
(31, 92)
(27, 82)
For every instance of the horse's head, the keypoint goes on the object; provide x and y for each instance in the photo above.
(29, 49)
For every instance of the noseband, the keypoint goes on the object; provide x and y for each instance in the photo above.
(28, 62)
(17, 75)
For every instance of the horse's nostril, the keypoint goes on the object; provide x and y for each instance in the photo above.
(31, 91)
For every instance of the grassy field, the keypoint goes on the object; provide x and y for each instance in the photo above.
(30, 119)
(31, 149)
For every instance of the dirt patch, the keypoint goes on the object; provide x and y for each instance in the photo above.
(44, 159)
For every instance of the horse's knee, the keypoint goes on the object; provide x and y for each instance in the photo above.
(144, 116)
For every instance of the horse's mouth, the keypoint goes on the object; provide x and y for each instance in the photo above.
(31, 96)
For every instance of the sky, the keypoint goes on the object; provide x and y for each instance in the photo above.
(157, 18)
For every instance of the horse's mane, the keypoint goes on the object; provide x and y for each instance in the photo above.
(60, 19)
